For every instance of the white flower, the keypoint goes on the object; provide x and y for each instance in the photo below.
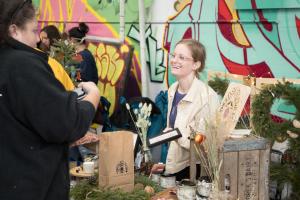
(141, 120)
(148, 113)
(144, 108)
(139, 123)
(150, 107)
(142, 123)
(127, 106)
(66, 42)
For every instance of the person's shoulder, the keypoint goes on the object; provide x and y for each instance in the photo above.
(25, 58)
(33, 59)
(55, 65)
(29, 61)
(174, 85)
(206, 89)
(53, 61)
(86, 52)
(172, 89)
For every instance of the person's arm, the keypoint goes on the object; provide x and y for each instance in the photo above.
(45, 107)
(158, 168)
(92, 93)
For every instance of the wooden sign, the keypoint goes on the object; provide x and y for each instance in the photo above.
(232, 105)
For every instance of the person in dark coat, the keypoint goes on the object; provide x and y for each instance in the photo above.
(38, 117)
(88, 72)
(87, 67)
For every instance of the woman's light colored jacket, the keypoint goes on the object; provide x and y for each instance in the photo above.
(199, 104)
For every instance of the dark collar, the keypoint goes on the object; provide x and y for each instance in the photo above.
(21, 46)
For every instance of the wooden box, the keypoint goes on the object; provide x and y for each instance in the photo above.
(246, 168)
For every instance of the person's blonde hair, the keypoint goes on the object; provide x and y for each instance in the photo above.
(198, 52)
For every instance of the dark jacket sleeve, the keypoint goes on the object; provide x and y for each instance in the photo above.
(44, 106)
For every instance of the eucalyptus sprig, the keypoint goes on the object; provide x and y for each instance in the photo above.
(65, 53)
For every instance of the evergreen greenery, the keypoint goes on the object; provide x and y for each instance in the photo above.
(219, 85)
(263, 125)
(65, 53)
(88, 190)
(289, 169)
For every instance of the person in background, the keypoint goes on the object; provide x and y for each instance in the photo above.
(61, 74)
(39, 118)
(87, 70)
(48, 35)
(87, 67)
(189, 100)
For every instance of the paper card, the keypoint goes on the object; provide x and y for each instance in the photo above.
(164, 137)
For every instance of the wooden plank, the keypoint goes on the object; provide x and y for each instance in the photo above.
(235, 77)
(193, 169)
(248, 167)
(261, 82)
(221, 158)
(248, 175)
(245, 144)
(230, 163)
(264, 162)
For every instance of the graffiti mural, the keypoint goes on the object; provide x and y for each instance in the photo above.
(245, 38)
(114, 61)
(154, 56)
(260, 38)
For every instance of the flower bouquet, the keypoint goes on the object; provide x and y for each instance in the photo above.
(141, 120)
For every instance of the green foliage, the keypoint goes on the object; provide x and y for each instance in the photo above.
(146, 181)
(261, 119)
(88, 190)
(284, 173)
(65, 53)
(263, 125)
(219, 85)
(99, 194)
(82, 188)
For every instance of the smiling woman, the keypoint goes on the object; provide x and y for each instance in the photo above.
(39, 118)
(189, 99)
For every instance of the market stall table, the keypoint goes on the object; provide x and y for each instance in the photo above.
(78, 172)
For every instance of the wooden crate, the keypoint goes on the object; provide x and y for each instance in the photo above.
(246, 162)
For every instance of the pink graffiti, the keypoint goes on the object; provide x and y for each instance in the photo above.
(53, 11)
